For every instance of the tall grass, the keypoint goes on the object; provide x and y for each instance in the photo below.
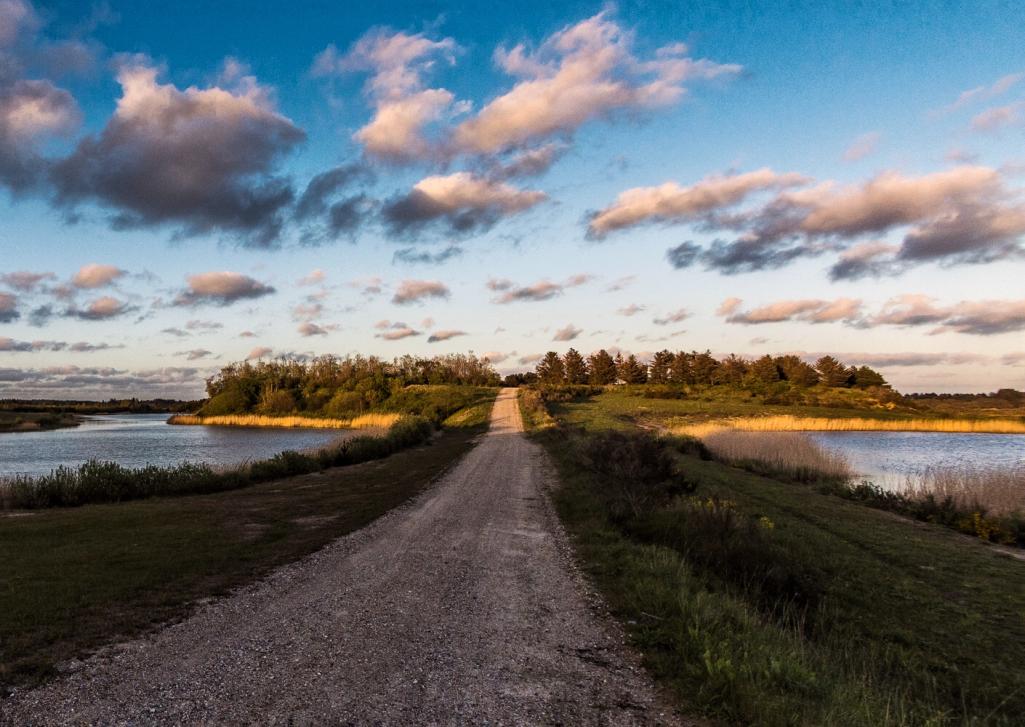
(786, 423)
(998, 491)
(364, 421)
(793, 455)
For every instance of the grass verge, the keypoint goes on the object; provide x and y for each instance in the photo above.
(757, 601)
(72, 580)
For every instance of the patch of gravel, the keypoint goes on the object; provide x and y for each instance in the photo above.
(461, 607)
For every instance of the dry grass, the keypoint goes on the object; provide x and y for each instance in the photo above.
(364, 421)
(792, 454)
(998, 491)
(856, 424)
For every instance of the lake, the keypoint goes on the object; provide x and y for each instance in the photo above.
(888, 458)
(135, 440)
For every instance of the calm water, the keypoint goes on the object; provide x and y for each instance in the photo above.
(888, 458)
(135, 440)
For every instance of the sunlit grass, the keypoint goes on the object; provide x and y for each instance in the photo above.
(853, 424)
(789, 453)
(364, 421)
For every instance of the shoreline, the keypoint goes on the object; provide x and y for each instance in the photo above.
(258, 421)
(853, 424)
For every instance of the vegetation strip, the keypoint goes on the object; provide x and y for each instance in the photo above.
(759, 601)
(74, 579)
(364, 421)
(855, 424)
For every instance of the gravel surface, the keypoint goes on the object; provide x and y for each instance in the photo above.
(462, 607)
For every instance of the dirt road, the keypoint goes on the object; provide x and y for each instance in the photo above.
(459, 608)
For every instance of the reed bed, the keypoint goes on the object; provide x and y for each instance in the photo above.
(997, 490)
(364, 421)
(787, 423)
(791, 454)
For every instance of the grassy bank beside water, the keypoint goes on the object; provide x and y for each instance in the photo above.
(72, 580)
(766, 600)
(36, 421)
(365, 421)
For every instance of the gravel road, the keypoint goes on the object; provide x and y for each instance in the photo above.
(462, 607)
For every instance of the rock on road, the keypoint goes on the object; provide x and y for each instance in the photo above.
(461, 607)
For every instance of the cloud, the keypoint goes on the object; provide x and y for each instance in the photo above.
(94, 275)
(631, 310)
(866, 259)
(394, 331)
(199, 160)
(541, 290)
(414, 291)
(438, 336)
(568, 333)
(259, 352)
(981, 318)
(326, 215)
(998, 117)
(100, 309)
(397, 62)
(24, 281)
(30, 111)
(677, 316)
(412, 256)
(194, 354)
(683, 255)
(206, 326)
(529, 358)
(8, 308)
(583, 72)
(462, 202)
(527, 162)
(309, 328)
(984, 93)
(497, 357)
(221, 288)
(907, 359)
(672, 203)
(315, 277)
(847, 310)
(100, 383)
(865, 145)
(621, 283)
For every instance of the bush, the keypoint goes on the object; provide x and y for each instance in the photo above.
(344, 405)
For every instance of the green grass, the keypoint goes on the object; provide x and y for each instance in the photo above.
(906, 623)
(72, 580)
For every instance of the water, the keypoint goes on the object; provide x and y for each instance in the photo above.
(135, 440)
(889, 458)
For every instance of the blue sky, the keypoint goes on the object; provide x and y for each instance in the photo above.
(185, 188)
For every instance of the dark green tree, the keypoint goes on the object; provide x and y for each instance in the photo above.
(703, 367)
(680, 372)
(550, 369)
(865, 377)
(832, 373)
(632, 372)
(575, 367)
(658, 370)
(797, 371)
(764, 370)
(601, 368)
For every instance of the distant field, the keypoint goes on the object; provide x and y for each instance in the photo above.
(35, 421)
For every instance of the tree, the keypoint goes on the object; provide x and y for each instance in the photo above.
(832, 373)
(658, 371)
(865, 377)
(703, 367)
(796, 371)
(550, 369)
(731, 371)
(632, 372)
(575, 367)
(602, 368)
(764, 370)
(680, 371)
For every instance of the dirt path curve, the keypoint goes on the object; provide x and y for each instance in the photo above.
(459, 608)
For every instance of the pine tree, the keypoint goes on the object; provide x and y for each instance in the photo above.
(832, 373)
(765, 371)
(680, 371)
(796, 371)
(602, 369)
(632, 372)
(703, 367)
(575, 367)
(865, 377)
(658, 371)
(550, 369)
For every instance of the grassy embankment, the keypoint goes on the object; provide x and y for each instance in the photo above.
(96, 481)
(756, 600)
(35, 421)
(72, 580)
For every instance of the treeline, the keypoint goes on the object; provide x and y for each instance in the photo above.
(696, 369)
(336, 387)
(110, 406)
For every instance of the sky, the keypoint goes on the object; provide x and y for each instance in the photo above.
(206, 183)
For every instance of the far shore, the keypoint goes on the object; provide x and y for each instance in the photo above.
(36, 421)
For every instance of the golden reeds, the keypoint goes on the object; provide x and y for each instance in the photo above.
(364, 421)
(855, 424)
(998, 490)
(787, 452)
